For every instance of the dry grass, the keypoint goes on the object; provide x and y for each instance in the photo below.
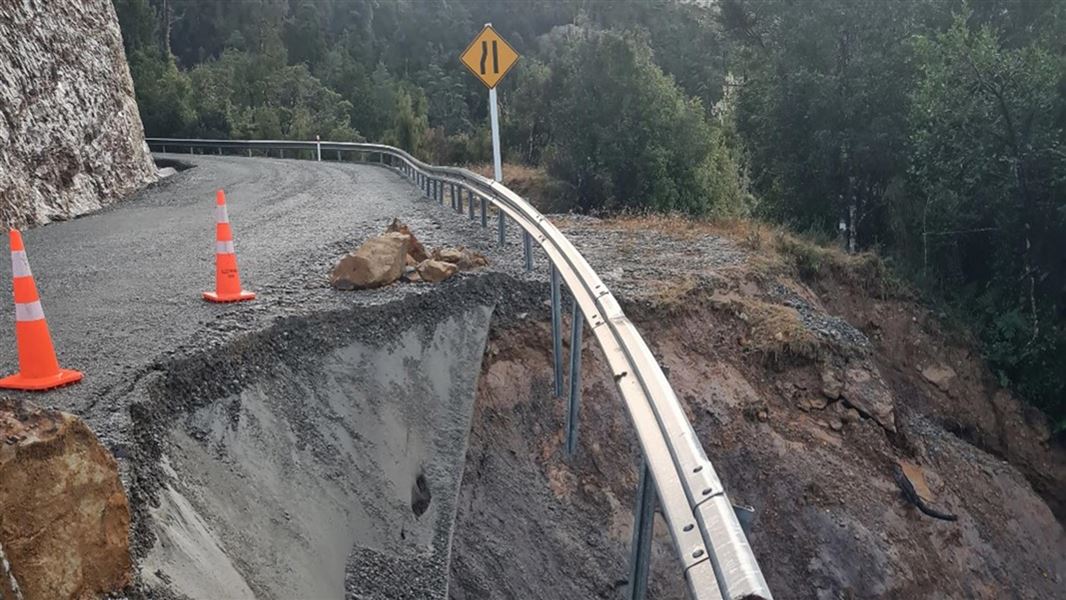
(676, 292)
(775, 331)
(533, 184)
(774, 249)
(778, 333)
(865, 270)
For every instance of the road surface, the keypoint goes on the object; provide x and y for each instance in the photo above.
(121, 287)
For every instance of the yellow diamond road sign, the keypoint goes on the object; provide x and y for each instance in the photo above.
(489, 57)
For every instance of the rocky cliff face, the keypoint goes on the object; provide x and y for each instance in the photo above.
(71, 139)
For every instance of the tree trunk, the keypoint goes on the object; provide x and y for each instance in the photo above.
(853, 223)
(167, 20)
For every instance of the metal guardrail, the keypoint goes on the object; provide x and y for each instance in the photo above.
(713, 549)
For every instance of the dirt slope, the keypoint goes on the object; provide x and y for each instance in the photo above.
(806, 395)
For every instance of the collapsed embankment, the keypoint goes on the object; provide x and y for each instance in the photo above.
(806, 418)
(319, 458)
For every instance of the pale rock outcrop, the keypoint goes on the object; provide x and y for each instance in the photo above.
(71, 139)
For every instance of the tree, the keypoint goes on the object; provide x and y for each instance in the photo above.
(623, 134)
(988, 182)
(410, 123)
(822, 106)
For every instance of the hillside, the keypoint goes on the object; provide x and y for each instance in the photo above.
(809, 376)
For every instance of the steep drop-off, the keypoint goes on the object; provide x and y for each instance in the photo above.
(71, 139)
(806, 392)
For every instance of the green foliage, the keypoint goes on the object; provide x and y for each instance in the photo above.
(164, 94)
(937, 137)
(623, 134)
(409, 123)
(987, 196)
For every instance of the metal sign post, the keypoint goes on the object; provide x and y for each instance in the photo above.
(489, 57)
(497, 163)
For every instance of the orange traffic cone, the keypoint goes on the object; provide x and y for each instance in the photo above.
(38, 367)
(227, 281)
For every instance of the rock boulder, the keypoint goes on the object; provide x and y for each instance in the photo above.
(939, 375)
(64, 518)
(435, 271)
(464, 258)
(417, 250)
(378, 262)
(866, 391)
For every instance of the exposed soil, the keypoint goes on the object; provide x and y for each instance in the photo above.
(804, 415)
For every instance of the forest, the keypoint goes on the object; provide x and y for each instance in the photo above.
(928, 131)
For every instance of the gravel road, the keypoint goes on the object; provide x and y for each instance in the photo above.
(121, 290)
(121, 287)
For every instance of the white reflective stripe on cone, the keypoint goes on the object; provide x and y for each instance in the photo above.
(221, 216)
(20, 265)
(224, 247)
(29, 311)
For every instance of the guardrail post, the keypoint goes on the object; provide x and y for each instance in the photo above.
(527, 250)
(220, 150)
(573, 403)
(191, 150)
(502, 228)
(470, 204)
(451, 188)
(318, 147)
(281, 153)
(557, 331)
(484, 212)
(643, 529)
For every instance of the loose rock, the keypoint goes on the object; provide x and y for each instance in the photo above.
(464, 258)
(435, 271)
(64, 518)
(417, 251)
(939, 375)
(868, 393)
(832, 386)
(378, 262)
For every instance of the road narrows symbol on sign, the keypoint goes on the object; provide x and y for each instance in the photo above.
(489, 57)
